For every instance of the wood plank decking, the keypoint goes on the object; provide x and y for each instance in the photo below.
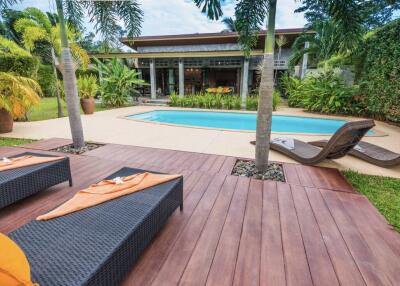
(312, 230)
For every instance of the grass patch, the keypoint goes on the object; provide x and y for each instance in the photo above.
(383, 192)
(47, 109)
(4, 141)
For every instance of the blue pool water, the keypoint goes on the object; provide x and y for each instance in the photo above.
(241, 121)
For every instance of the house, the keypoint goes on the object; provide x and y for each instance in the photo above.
(192, 63)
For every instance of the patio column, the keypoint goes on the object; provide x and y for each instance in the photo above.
(153, 86)
(244, 86)
(171, 81)
(305, 61)
(181, 78)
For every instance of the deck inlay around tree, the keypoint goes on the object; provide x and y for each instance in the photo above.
(312, 230)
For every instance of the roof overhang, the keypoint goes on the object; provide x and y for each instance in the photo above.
(203, 38)
(176, 55)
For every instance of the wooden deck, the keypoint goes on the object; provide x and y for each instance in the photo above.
(313, 230)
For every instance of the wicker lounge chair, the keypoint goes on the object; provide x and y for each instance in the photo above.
(100, 244)
(369, 152)
(20, 183)
(338, 146)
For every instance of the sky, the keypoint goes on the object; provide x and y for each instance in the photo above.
(166, 17)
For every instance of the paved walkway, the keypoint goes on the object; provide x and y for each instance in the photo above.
(312, 230)
(111, 127)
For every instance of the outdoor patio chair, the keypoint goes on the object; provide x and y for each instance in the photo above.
(369, 152)
(344, 139)
(17, 184)
(100, 244)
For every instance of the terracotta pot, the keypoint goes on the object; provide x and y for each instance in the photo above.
(87, 105)
(6, 121)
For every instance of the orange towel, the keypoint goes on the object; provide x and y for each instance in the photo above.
(107, 190)
(24, 161)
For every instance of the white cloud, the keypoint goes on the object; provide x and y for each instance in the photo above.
(163, 17)
(285, 16)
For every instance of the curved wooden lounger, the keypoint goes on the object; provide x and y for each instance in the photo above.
(369, 152)
(338, 146)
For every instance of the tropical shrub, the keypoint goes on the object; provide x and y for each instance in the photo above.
(276, 100)
(252, 103)
(118, 82)
(18, 94)
(25, 66)
(87, 86)
(292, 88)
(379, 72)
(47, 80)
(324, 91)
(8, 47)
(218, 101)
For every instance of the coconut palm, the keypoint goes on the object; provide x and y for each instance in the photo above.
(36, 27)
(105, 15)
(250, 15)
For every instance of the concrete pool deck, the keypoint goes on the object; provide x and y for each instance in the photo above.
(112, 127)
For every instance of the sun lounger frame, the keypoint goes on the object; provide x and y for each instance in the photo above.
(20, 183)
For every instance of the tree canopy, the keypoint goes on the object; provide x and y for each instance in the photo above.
(368, 14)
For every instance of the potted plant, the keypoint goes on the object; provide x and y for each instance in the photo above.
(17, 95)
(87, 88)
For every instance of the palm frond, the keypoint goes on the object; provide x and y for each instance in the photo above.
(212, 8)
(106, 15)
(18, 94)
(230, 24)
(80, 55)
(7, 3)
(10, 47)
(74, 12)
(39, 17)
(250, 15)
(131, 15)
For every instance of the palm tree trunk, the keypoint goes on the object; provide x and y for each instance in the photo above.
(264, 113)
(70, 86)
(59, 107)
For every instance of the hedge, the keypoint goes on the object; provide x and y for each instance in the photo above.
(379, 72)
(46, 80)
(21, 65)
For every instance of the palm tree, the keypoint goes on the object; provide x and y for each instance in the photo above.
(36, 27)
(106, 16)
(230, 24)
(250, 15)
(323, 44)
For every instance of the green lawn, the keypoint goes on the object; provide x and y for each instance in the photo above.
(47, 109)
(383, 192)
(4, 141)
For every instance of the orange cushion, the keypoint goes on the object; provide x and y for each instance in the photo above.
(14, 266)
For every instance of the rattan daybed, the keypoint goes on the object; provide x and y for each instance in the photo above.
(98, 245)
(20, 183)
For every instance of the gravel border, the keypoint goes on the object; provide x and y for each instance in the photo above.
(247, 168)
(89, 146)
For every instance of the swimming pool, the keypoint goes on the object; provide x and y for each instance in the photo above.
(241, 121)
